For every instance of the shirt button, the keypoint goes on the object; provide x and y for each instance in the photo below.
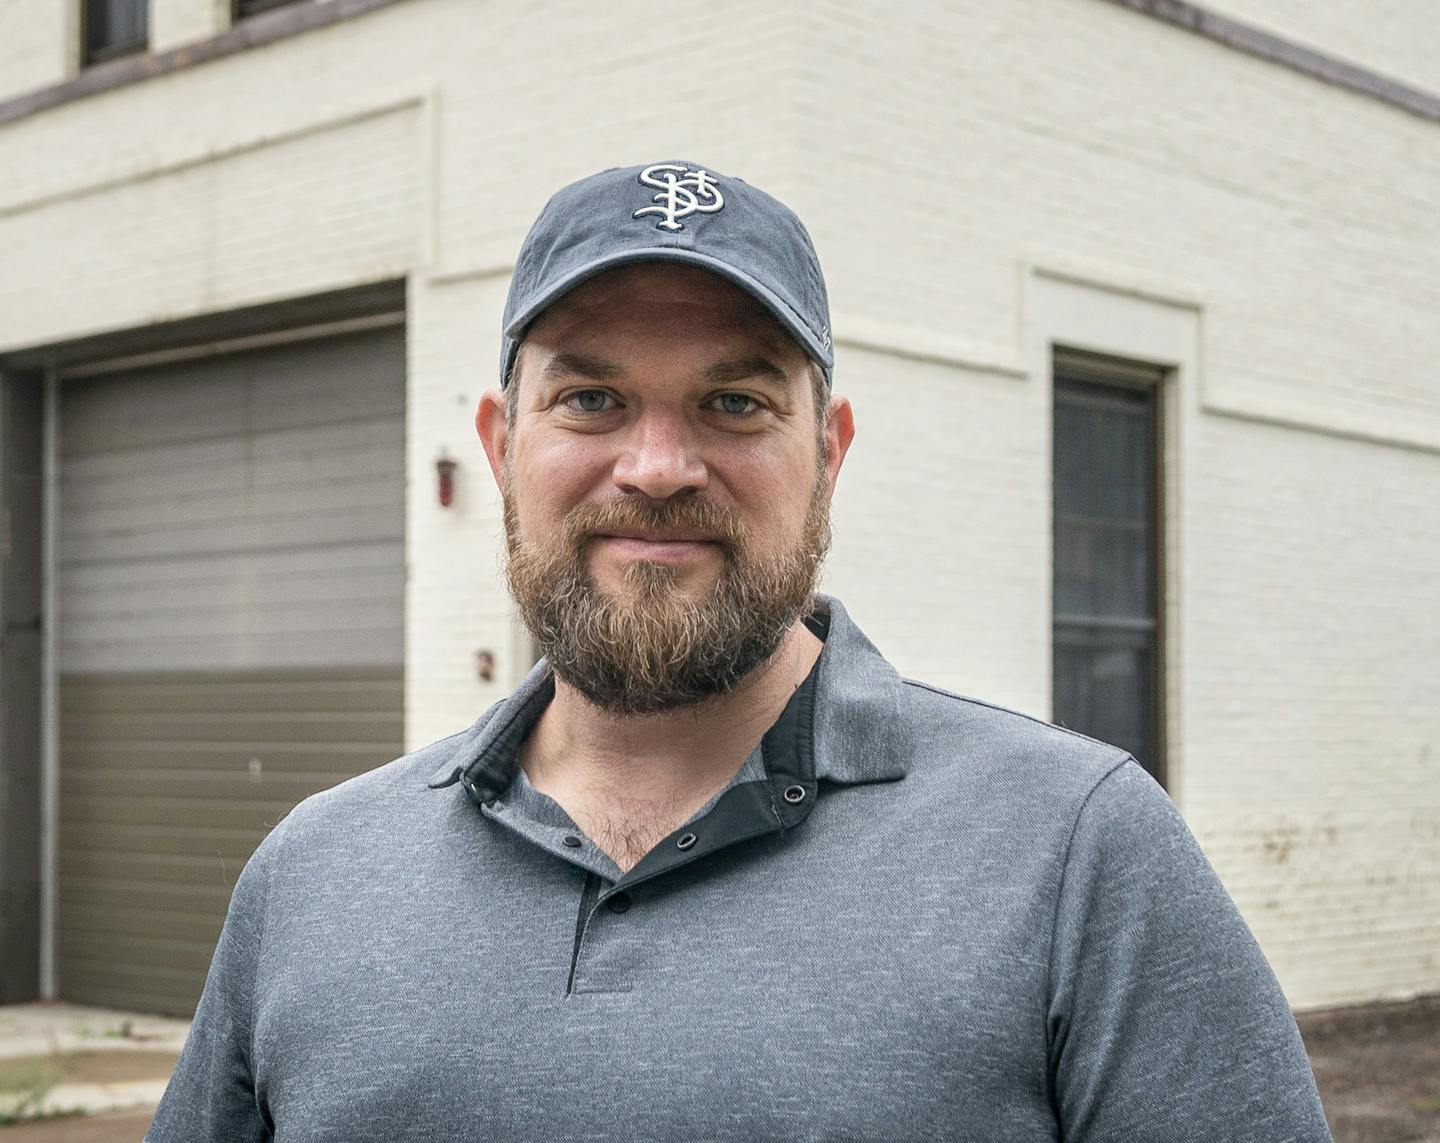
(571, 840)
(685, 840)
(619, 902)
(794, 794)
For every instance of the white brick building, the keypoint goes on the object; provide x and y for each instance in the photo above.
(1228, 211)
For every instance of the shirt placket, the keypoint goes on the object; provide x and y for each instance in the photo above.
(774, 791)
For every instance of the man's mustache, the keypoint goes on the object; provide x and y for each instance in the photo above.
(684, 514)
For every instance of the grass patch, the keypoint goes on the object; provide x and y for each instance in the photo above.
(24, 1083)
(123, 1031)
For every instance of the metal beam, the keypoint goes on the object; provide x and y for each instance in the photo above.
(50, 688)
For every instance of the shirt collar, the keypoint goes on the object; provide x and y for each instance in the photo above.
(844, 725)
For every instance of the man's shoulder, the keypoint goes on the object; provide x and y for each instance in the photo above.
(1020, 787)
(976, 740)
(410, 772)
(387, 793)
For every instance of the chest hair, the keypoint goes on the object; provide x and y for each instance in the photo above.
(628, 829)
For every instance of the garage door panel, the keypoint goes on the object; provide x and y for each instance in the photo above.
(235, 785)
(135, 998)
(244, 618)
(175, 402)
(200, 611)
(102, 760)
(210, 465)
(251, 813)
(288, 526)
(106, 980)
(331, 564)
(109, 762)
(354, 691)
(177, 841)
(119, 871)
(231, 635)
(309, 382)
(188, 900)
(214, 464)
(200, 603)
(338, 449)
(120, 917)
(140, 986)
(314, 380)
(168, 953)
(177, 732)
(300, 646)
(122, 868)
(192, 509)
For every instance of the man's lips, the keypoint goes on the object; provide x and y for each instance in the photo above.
(657, 536)
(658, 546)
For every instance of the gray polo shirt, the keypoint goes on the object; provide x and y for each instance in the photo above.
(910, 916)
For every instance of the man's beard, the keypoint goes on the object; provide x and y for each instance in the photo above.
(653, 647)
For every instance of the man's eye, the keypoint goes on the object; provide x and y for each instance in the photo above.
(589, 400)
(736, 403)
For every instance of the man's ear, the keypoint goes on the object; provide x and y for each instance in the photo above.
(839, 432)
(494, 432)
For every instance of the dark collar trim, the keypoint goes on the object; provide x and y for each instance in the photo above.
(493, 766)
(788, 750)
(491, 773)
(743, 812)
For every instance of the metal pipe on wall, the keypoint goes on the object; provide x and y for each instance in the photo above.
(50, 686)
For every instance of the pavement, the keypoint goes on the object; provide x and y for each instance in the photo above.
(1378, 1069)
(108, 1127)
(100, 1073)
(61, 1063)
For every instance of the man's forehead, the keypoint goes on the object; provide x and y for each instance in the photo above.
(564, 365)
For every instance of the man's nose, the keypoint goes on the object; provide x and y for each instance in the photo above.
(660, 459)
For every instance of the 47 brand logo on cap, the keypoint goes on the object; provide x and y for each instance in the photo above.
(682, 191)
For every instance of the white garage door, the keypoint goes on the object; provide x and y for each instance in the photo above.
(231, 631)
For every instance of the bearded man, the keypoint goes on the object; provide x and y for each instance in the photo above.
(715, 870)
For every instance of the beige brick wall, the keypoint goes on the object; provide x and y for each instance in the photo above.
(39, 44)
(1397, 38)
(456, 605)
(946, 161)
(175, 23)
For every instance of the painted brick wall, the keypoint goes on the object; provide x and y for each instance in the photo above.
(39, 44)
(457, 604)
(1397, 38)
(940, 158)
(174, 23)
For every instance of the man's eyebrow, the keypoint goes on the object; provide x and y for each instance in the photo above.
(747, 369)
(577, 364)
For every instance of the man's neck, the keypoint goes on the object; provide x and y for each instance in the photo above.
(629, 780)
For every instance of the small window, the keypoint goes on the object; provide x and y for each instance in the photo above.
(1106, 589)
(245, 8)
(114, 28)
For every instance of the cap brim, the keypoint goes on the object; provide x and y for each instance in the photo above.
(762, 293)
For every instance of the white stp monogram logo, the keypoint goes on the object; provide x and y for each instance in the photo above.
(682, 191)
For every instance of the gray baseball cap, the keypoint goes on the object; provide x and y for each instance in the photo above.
(671, 211)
